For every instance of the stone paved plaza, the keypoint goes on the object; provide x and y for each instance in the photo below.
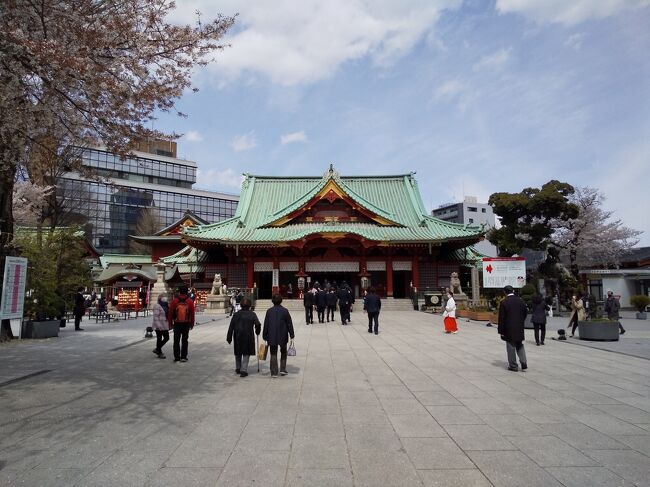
(411, 406)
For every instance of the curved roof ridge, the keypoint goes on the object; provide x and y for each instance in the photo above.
(300, 201)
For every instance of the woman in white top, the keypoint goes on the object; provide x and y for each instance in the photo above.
(449, 314)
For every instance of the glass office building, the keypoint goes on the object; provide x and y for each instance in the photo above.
(112, 206)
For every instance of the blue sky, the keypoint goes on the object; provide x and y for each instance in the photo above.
(474, 96)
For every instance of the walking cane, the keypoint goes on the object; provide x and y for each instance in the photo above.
(257, 338)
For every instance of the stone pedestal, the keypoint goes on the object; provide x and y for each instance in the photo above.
(461, 301)
(160, 286)
(217, 304)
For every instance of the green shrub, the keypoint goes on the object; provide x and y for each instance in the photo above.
(640, 302)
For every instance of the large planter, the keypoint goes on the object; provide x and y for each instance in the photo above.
(528, 322)
(40, 329)
(642, 316)
(598, 330)
(480, 315)
(462, 313)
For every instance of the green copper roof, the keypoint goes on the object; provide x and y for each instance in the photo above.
(267, 199)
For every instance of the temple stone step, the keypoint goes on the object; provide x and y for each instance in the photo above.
(387, 304)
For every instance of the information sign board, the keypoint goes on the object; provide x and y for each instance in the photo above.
(13, 288)
(499, 272)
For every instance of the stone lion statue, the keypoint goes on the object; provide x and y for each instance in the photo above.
(454, 284)
(217, 286)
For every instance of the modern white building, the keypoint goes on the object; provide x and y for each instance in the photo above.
(470, 212)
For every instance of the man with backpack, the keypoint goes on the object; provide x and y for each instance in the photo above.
(181, 319)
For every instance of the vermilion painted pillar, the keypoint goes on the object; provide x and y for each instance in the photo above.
(415, 272)
(389, 277)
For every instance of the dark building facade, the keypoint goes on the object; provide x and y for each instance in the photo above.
(111, 207)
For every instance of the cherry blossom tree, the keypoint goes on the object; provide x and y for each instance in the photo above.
(90, 70)
(594, 237)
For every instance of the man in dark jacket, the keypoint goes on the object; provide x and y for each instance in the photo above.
(278, 327)
(181, 320)
(512, 314)
(372, 306)
(321, 304)
(331, 303)
(308, 302)
(345, 298)
(611, 308)
(241, 329)
(79, 308)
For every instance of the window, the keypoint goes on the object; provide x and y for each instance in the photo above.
(471, 220)
(483, 210)
(472, 208)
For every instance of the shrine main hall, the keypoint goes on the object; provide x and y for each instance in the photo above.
(362, 230)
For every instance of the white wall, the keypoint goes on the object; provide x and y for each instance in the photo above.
(625, 288)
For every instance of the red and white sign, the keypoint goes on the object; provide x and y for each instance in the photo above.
(13, 288)
(499, 272)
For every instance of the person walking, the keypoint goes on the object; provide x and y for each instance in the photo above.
(344, 297)
(321, 304)
(372, 306)
(161, 324)
(512, 314)
(449, 314)
(577, 312)
(278, 327)
(79, 308)
(331, 303)
(243, 328)
(308, 302)
(611, 308)
(539, 318)
(181, 319)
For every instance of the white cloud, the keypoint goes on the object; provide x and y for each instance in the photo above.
(449, 90)
(301, 42)
(193, 136)
(493, 61)
(575, 41)
(215, 179)
(293, 137)
(244, 142)
(568, 12)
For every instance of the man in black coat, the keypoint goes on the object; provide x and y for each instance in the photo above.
(321, 304)
(308, 302)
(241, 328)
(331, 303)
(79, 308)
(512, 314)
(345, 298)
(278, 327)
(372, 306)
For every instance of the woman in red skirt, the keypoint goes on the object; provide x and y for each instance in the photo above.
(449, 314)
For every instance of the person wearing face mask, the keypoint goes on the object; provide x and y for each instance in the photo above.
(161, 324)
(449, 314)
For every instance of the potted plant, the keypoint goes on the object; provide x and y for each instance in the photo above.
(640, 302)
(461, 311)
(480, 313)
(598, 329)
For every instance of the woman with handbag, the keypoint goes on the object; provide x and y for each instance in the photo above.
(539, 318)
(577, 312)
(244, 325)
(449, 314)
